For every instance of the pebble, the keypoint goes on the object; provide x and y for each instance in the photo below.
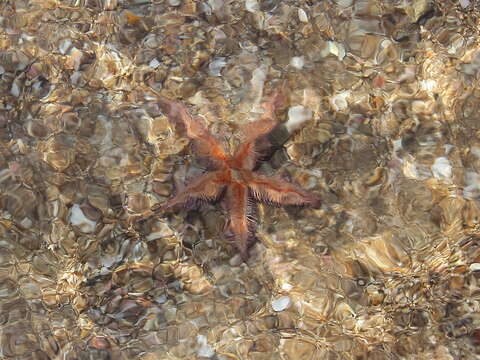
(282, 303)
(78, 218)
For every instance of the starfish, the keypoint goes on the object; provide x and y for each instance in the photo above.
(233, 178)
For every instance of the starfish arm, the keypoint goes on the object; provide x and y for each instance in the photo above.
(207, 187)
(274, 190)
(275, 102)
(256, 142)
(249, 151)
(205, 144)
(241, 210)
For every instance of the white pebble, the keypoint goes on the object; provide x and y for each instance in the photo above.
(428, 85)
(297, 62)
(15, 89)
(65, 46)
(154, 63)
(336, 49)
(339, 101)
(442, 169)
(252, 5)
(281, 303)
(78, 218)
(475, 267)
(297, 115)
(286, 286)
(216, 66)
(302, 16)
(205, 350)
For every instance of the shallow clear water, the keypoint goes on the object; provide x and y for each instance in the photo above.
(384, 98)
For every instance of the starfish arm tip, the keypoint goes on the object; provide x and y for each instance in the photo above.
(315, 201)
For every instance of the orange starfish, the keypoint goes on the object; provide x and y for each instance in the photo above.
(233, 177)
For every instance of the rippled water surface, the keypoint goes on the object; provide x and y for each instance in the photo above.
(386, 98)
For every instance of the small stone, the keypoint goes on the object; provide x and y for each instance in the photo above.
(65, 46)
(154, 63)
(252, 5)
(15, 90)
(282, 303)
(78, 218)
(302, 16)
(442, 169)
(475, 267)
(205, 350)
(339, 102)
(336, 49)
(297, 115)
(297, 62)
(216, 66)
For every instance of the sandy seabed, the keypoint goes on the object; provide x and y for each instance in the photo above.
(387, 94)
